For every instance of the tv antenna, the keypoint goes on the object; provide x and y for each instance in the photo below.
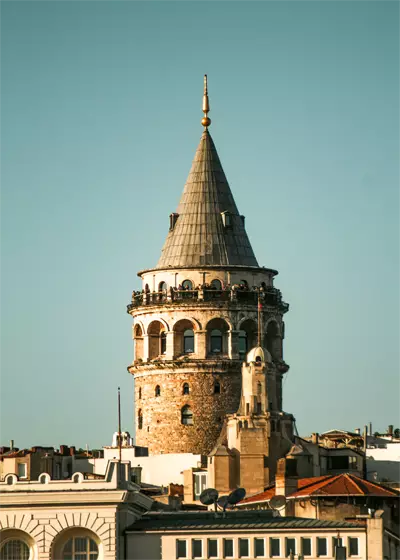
(209, 496)
(277, 502)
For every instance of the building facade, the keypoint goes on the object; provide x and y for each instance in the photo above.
(201, 309)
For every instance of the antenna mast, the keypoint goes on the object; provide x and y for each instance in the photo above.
(119, 425)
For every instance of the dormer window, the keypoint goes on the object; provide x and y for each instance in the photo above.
(172, 220)
(226, 219)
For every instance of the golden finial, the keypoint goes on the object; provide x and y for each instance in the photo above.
(205, 121)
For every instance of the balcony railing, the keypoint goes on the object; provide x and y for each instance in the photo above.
(268, 296)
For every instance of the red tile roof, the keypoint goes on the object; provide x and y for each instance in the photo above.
(344, 485)
(329, 485)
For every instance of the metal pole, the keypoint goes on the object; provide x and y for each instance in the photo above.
(259, 320)
(119, 425)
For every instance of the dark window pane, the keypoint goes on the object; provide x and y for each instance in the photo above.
(306, 547)
(353, 546)
(321, 546)
(290, 546)
(197, 548)
(336, 542)
(228, 548)
(180, 549)
(216, 341)
(188, 341)
(259, 548)
(212, 548)
(243, 548)
(275, 547)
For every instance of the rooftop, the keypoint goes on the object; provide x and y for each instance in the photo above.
(248, 520)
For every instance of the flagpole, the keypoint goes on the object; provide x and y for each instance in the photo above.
(119, 425)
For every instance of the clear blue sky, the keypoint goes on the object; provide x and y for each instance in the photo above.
(101, 109)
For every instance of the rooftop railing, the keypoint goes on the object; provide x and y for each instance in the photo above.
(268, 296)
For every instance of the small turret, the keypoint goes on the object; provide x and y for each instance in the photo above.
(254, 398)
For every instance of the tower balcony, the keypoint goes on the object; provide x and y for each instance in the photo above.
(268, 296)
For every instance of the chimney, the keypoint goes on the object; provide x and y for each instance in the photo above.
(315, 438)
(284, 484)
(357, 431)
(72, 450)
(370, 428)
(365, 438)
(390, 430)
(11, 444)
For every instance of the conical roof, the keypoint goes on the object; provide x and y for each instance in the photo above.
(201, 236)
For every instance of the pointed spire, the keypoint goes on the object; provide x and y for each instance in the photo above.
(206, 121)
(207, 229)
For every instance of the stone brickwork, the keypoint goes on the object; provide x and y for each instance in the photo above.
(162, 429)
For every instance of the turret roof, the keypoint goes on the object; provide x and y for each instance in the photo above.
(200, 237)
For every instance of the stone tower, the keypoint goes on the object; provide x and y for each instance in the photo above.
(199, 313)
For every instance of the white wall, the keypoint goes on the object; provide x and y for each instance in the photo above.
(159, 470)
(385, 462)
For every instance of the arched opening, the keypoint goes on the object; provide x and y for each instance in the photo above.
(217, 387)
(273, 341)
(163, 342)
(77, 543)
(162, 291)
(187, 285)
(155, 331)
(139, 342)
(184, 342)
(217, 337)
(185, 389)
(82, 548)
(14, 549)
(157, 391)
(259, 388)
(216, 284)
(186, 416)
(247, 337)
(140, 419)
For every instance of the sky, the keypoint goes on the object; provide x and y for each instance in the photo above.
(100, 120)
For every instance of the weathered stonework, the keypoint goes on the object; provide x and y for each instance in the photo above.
(198, 314)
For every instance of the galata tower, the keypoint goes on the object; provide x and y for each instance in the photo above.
(201, 309)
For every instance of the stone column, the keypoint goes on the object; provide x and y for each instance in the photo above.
(201, 344)
(169, 354)
(233, 345)
(146, 349)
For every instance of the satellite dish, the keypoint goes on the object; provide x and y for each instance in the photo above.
(223, 502)
(209, 496)
(236, 496)
(277, 502)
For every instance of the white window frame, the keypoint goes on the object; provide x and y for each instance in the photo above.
(280, 547)
(25, 475)
(358, 555)
(265, 547)
(295, 546)
(200, 475)
(327, 548)
(218, 551)
(233, 547)
(248, 542)
(176, 548)
(312, 547)
(202, 548)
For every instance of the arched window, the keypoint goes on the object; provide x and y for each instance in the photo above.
(157, 391)
(216, 284)
(162, 287)
(14, 549)
(155, 331)
(273, 341)
(186, 415)
(163, 342)
(187, 285)
(259, 390)
(185, 389)
(217, 388)
(243, 344)
(80, 548)
(188, 341)
(138, 339)
(140, 419)
(243, 283)
(216, 341)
